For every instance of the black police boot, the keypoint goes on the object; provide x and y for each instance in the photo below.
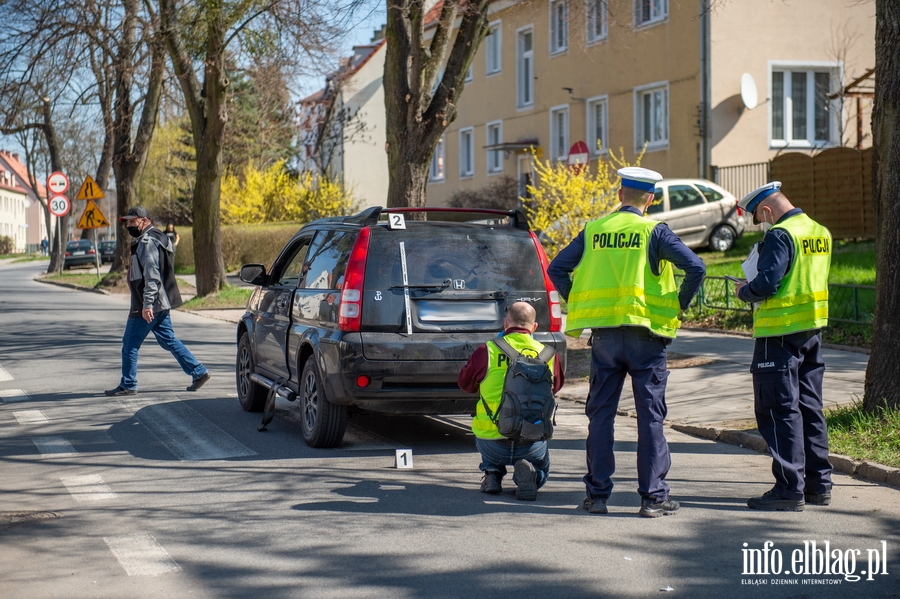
(491, 483)
(773, 502)
(655, 509)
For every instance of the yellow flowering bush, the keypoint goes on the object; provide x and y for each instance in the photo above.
(274, 194)
(563, 198)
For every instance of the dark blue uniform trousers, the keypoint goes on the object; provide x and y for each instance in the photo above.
(615, 353)
(787, 389)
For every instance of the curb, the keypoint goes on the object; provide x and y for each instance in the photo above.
(848, 348)
(71, 286)
(866, 470)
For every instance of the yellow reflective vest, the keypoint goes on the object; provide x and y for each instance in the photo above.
(801, 302)
(491, 388)
(613, 285)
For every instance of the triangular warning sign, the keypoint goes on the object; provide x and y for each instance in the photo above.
(92, 218)
(90, 190)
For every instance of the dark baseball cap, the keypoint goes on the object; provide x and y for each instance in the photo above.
(135, 212)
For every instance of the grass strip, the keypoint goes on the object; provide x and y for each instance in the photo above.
(873, 436)
(228, 297)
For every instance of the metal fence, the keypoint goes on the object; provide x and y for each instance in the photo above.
(846, 303)
(743, 178)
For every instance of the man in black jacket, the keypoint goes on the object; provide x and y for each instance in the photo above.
(151, 279)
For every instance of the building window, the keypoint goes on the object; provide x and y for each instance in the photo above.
(466, 152)
(650, 11)
(596, 20)
(652, 116)
(436, 171)
(559, 26)
(525, 82)
(493, 45)
(495, 138)
(597, 115)
(559, 132)
(802, 114)
(470, 74)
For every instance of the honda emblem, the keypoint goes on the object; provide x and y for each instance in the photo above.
(459, 284)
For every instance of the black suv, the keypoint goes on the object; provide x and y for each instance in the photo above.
(380, 313)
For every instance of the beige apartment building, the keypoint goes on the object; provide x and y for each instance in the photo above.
(703, 90)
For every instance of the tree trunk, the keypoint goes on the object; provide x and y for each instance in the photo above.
(416, 118)
(883, 372)
(62, 224)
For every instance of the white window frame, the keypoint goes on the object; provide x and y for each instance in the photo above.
(559, 29)
(639, 125)
(494, 166)
(470, 74)
(594, 10)
(835, 71)
(559, 151)
(590, 119)
(437, 170)
(467, 143)
(659, 12)
(494, 49)
(523, 83)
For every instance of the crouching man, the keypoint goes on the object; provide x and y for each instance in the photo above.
(485, 373)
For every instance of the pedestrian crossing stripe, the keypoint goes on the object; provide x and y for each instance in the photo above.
(92, 218)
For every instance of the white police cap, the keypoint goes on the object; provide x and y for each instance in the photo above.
(750, 201)
(638, 177)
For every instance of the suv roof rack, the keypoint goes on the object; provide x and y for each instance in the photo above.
(370, 216)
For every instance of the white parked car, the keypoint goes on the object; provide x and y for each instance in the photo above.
(700, 212)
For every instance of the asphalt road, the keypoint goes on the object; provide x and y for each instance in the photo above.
(175, 494)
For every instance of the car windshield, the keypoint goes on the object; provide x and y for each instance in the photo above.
(81, 244)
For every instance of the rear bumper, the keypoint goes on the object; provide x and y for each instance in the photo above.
(400, 386)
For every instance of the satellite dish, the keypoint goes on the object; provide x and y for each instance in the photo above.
(748, 91)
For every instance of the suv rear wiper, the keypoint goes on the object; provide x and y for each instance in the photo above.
(441, 287)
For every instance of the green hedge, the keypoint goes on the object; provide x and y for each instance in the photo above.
(241, 244)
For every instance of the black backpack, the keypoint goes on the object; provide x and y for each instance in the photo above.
(527, 406)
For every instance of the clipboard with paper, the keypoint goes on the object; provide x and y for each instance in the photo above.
(749, 266)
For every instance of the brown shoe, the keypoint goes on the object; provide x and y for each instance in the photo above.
(199, 381)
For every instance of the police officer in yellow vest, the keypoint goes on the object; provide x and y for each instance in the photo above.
(790, 297)
(622, 287)
(485, 373)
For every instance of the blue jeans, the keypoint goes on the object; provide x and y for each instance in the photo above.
(497, 454)
(136, 330)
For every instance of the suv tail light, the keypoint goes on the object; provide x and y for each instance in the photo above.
(552, 293)
(350, 315)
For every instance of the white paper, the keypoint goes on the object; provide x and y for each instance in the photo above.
(749, 265)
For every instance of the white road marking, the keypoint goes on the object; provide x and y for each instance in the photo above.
(184, 432)
(30, 417)
(140, 555)
(54, 446)
(5, 376)
(13, 395)
(87, 488)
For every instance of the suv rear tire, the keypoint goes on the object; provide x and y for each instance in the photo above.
(722, 238)
(251, 395)
(322, 423)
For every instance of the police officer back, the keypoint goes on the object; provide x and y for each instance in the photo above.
(617, 276)
(790, 295)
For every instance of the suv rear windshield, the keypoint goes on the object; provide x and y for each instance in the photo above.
(470, 257)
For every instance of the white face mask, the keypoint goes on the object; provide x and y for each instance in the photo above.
(766, 224)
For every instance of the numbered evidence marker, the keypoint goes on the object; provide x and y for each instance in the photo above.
(396, 221)
(404, 458)
(59, 205)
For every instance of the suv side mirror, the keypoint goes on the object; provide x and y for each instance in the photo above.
(254, 274)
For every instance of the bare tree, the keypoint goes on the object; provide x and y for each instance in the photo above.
(198, 38)
(883, 371)
(416, 116)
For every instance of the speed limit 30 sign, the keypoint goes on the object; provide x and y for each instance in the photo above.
(59, 205)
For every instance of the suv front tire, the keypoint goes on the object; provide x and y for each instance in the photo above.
(251, 395)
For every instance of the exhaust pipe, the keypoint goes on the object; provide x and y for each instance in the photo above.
(279, 389)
